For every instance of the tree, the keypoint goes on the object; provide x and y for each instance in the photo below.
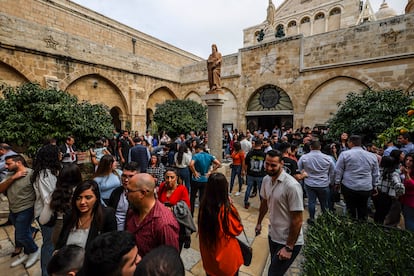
(30, 113)
(368, 114)
(180, 116)
(402, 124)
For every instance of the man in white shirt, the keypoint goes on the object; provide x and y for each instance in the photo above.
(282, 196)
(320, 169)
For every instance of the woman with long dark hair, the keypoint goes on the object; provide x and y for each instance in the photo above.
(389, 189)
(218, 225)
(171, 193)
(182, 159)
(88, 217)
(45, 171)
(107, 177)
(407, 200)
(68, 179)
(156, 169)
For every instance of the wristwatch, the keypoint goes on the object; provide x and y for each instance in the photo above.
(288, 249)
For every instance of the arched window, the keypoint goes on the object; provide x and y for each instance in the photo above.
(335, 11)
(320, 15)
(292, 24)
(305, 20)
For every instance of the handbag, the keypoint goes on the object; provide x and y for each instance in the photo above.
(246, 250)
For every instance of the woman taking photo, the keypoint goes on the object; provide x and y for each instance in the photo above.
(68, 179)
(170, 193)
(107, 177)
(45, 171)
(218, 225)
(88, 217)
(182, 159)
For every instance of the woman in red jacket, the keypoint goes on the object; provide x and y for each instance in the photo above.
(218, 225)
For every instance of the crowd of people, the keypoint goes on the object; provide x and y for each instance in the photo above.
(140, 202)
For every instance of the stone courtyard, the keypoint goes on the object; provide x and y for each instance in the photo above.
(191, 257)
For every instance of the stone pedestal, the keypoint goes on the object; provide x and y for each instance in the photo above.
(215, 123)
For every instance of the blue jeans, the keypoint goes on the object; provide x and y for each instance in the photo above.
(279, 267)
(408, 213)
(184, 174)
(236, 171)
(23, 230)
(250, 180)
(322, 193)
(47, 247)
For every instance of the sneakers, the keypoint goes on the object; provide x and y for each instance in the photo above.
(238, 193)
(246, 205)
(32, 259)
(20, 259)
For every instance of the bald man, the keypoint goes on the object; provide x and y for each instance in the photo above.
(149, 220)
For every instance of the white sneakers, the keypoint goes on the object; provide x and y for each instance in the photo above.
(238, 193)
(32, 259)
(29, 260)
(21, 258)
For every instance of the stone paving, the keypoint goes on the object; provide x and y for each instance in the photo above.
(191, 257)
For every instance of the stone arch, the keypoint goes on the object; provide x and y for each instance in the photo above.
(96, 88)
(292, 28)
(9, 76)
(323, 101)
(195, 96)
(305, 26)
(267, 106)
(334, 19)
(231, 109)
(117, 115)
(158, 96)
(319, 23)
(13, 73)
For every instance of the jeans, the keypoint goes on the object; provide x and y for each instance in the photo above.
(196, 187)
(250, 180)
(23, 231)
(47, 247)
(356, 202)
(236, 171)
(408, 213)
(184, 174)
(322, 193)
(279, 267)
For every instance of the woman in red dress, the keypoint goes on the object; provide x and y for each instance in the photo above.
(171, 193)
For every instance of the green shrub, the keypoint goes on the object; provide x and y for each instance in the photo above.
(337, 245)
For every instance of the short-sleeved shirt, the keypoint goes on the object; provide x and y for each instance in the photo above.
(202, 163)
(20, 193)
(283, 196)
(159, 227)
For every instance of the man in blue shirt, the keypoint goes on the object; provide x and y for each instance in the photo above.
(358, 171)
(200, 167)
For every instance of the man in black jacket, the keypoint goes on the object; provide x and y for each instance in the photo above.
(118, 200)
(68, 151)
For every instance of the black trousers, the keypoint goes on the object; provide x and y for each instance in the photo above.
(356, 202)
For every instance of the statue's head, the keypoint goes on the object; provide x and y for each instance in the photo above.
(214, 47)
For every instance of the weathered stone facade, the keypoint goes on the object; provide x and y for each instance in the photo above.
(294, 79)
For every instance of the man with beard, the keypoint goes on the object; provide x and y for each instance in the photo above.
(149, 220)
(282, 196)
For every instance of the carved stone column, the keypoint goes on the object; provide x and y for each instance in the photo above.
(215, 123)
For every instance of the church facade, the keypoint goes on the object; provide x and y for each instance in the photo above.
(293, 69)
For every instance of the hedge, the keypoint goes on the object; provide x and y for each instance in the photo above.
(338, 245)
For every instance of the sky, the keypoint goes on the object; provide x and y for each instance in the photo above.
(193, 25)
